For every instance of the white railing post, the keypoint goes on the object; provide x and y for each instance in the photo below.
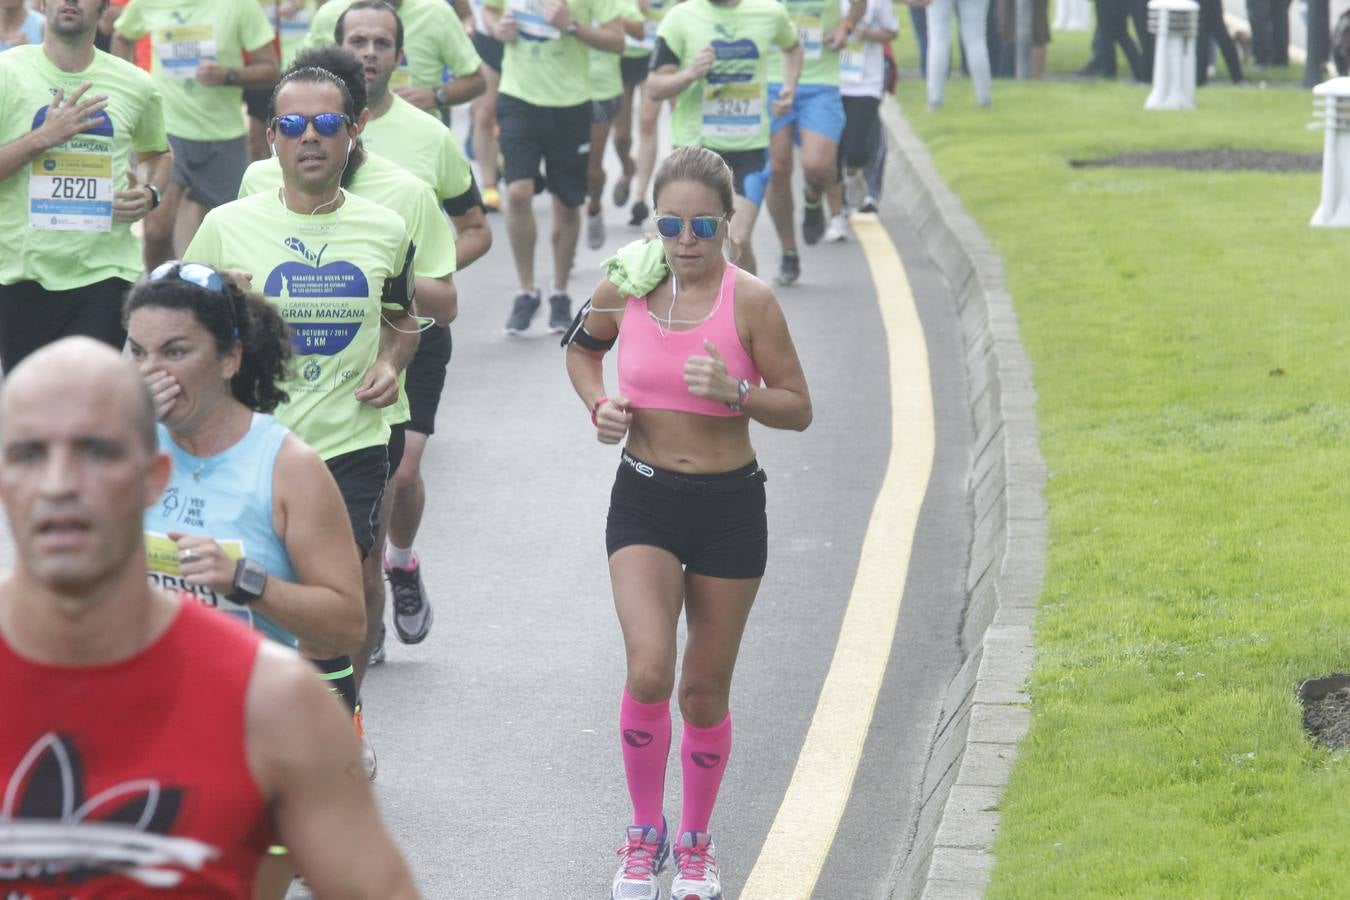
(1176, 24)
(1332, 100)
(1073, 15)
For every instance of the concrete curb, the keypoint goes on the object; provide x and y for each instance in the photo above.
(985, 712)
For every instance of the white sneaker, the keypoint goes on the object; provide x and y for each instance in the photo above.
(644, 855)
(696, 876)
(595, 230)
(837, 230)
(869, 204)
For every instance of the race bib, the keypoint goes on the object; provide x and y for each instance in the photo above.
(648, 41)
(852, 59)
(297, 26)
(402, 76)
(161, 559)
(733, 109)
(531, 21)
(811, 33)
(182, 49)
(70, 190)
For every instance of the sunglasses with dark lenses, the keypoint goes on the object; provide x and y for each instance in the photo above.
(293, 125)
(703, 227)
(197, 274)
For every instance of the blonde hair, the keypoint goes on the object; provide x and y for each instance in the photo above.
(698, 165)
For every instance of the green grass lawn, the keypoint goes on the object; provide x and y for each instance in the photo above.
(1191, 341)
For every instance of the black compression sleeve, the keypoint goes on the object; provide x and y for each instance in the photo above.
(399, 288)
(458, 206)
(663, 55)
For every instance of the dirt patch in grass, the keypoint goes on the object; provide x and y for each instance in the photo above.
(1326, 711)
(1217, 160)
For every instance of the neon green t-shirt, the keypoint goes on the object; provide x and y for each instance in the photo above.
(634, 48)
(434, 41)
(58, 208)
(545, 66)
(814, 20)
(391, 186)
(421, 144)
(293, 28)
(728, 109)
(330, 276)
(606, 77)
(185, 33)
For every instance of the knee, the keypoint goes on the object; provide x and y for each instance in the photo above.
(703, 699)
(520, 194)
(780, 169)
(408, 476)
(820, 173)
(650, 682)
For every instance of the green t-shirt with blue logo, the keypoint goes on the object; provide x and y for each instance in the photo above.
(330, 276)
(184, 34)
(814, 20)
(728, 108)
(58, 208)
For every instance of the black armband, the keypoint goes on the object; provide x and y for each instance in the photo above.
(663, 56)
(466, 202)
(400, 288)
(577, 333)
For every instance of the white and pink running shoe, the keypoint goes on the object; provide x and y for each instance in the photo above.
(696, 875)
(644, 855)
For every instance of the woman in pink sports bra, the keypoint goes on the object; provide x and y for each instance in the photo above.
(701, 354)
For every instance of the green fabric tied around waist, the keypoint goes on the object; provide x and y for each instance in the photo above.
(637, 268)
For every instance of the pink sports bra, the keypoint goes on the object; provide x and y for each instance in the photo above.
(651, 359)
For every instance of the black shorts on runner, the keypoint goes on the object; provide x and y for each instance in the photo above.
(744, 163)
(489, 50)
(398, 442)
(557, 136)
(715, 525)
(634, 69)
(361, 476)
(32, 316)
(861, 119)
(604, 111)
(256, 102)
(426, 379)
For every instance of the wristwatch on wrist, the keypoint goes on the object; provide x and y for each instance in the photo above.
(742, 391)
(250, 580)
(231, 76)
(442, 98)
(154, 194)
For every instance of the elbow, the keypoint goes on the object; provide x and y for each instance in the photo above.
(805, 418)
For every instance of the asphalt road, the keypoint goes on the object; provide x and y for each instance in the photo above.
(500, 771)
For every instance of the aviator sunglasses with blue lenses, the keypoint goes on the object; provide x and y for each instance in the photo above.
(200, 275)
(703, 227)
(293, 125)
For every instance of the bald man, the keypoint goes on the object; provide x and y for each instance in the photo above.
(149, 745)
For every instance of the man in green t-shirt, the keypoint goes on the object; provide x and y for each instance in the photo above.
(544, 115)
(441, 68)
(71, 117)
(711, 55)
(198, 66)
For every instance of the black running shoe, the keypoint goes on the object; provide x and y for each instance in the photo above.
(559, 312)
(790, 269)
(813, 221)
(412, 612)
(523, 309)
(639, 214)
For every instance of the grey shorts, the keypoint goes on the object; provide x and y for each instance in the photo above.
(210, 170)
(603, 111)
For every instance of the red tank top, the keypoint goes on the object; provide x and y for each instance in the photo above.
(652, 358)
(130, 780)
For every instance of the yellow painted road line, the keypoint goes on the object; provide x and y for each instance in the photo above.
(790, 861)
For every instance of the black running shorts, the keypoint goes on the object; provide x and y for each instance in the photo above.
(426, 378)
(557, 136)
(32, 316)
(361, 476)
(715, 525)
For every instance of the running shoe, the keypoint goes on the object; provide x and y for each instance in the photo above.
(696, 875)
(492, 198)
(377, 652)
(869, 204)
(367, 751)
(644, 855)
(523, 309)
(622, 187)
(559, 312)
(595, 233)
(790, 269)
(813, 221)
(837, 230)
(412, 612)
(639, 214)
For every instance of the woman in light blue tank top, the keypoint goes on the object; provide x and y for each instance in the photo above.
(252, 522)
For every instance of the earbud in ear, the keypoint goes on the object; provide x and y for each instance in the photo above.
(274, 149)
(351, 144)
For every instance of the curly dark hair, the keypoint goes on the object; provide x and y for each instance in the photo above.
(229, 315)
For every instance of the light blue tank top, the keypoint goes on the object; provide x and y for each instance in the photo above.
(229, 498)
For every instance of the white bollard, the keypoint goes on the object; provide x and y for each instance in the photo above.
(1332, 99)
(1072, 15)
(1176, 24)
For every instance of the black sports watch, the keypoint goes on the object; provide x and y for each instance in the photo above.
(154, 195)
(232, 77)
(250, 579)
(442, 98)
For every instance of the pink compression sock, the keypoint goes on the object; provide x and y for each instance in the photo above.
(703, 759)
(644, 731)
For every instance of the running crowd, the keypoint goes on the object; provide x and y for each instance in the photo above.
(230, 234)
